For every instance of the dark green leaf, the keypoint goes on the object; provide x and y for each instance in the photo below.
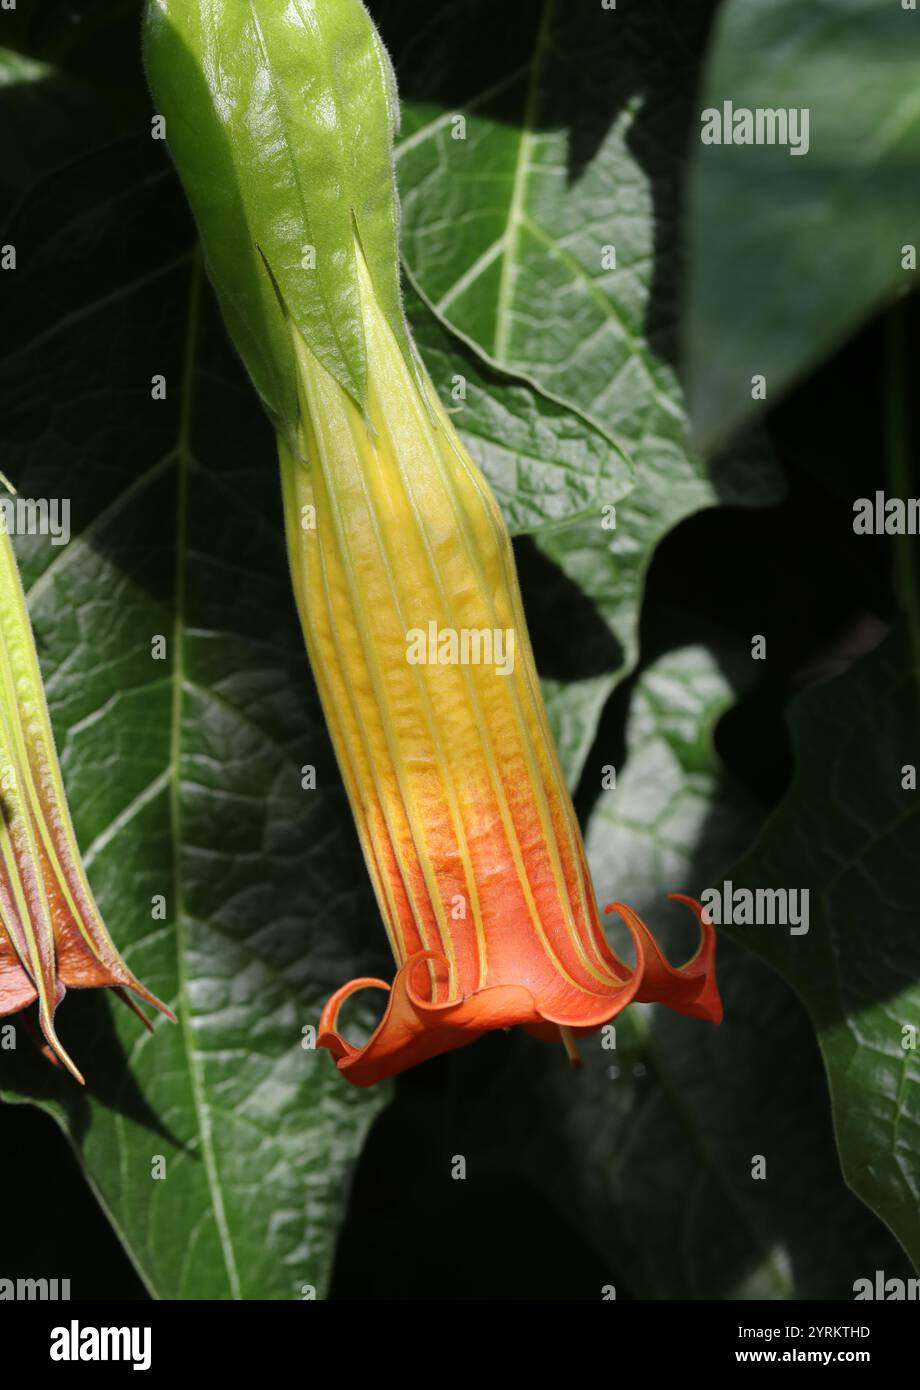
(789, 252)
(849, 833)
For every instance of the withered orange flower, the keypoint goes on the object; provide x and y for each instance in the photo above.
(409, 600)
(52, 936)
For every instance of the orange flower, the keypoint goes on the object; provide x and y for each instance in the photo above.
(406, 585)
(52, 937)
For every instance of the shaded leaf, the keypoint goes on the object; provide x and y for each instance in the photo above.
(848, 832)
(819, 244)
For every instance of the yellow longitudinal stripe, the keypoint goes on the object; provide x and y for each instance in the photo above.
(336, 422)
(410, 401)
(407, 796)
(601, 971)
(295, 487)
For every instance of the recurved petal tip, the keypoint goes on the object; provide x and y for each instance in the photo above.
(51, 1047)
(412, 1029)
(690, 989)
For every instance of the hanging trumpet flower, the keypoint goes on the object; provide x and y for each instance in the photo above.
(52, 936)
(281, 125)
(409, 601)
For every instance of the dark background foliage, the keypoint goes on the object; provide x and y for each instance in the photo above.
(637, 1171)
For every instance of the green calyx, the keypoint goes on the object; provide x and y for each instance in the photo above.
(280, 117)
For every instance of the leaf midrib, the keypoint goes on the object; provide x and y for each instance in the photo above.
(518, 189)
(183, 1010)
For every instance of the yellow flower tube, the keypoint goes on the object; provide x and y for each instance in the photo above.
(406, 586)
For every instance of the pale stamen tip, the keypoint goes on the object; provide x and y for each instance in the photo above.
(571, 1049)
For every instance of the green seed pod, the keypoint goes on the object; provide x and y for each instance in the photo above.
(280, 118)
